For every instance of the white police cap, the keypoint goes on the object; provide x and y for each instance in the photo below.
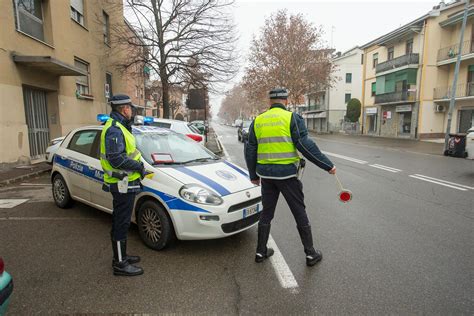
(278, 93)
(120, 99)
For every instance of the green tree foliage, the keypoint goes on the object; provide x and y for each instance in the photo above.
(353, 110)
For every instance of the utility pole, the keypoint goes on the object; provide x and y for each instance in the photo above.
(456, 74)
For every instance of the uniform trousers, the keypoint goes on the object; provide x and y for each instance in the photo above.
(122, 213)
(292, 190)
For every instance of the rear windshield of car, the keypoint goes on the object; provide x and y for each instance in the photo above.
(180, 147)
(161, 124)
(246, 124)
(194, 129)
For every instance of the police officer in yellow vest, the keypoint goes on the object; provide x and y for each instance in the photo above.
(272, 160)
(123, 170)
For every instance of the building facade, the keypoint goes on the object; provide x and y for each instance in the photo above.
(58, 66)
(348, 86)
(408, 73)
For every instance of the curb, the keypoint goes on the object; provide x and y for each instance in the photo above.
(23, 177)
(219, 145)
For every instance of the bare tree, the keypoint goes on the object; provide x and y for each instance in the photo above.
(187, 42)
(289, 52)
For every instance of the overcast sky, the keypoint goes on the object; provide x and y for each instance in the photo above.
(346, 23)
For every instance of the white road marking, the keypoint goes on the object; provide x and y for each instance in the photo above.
(226, 154)
(11, 203)
(444, 181)
(36, 184)
(362, 162)
(282, 270)
(440, 183)
(390, 169)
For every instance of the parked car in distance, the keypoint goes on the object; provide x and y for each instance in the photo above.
(237, 123)
(199, 125)
(243, 131)
(180, 127)
(6, 288)
(53, 147)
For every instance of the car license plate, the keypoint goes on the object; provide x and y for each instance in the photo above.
(249, 211)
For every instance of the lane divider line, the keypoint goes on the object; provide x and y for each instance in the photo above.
(282, 270)
(390, 169)
(444, 181)
(362, 162)
(440, 183)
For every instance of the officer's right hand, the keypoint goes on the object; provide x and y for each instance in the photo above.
(256, 182)
(333, 170)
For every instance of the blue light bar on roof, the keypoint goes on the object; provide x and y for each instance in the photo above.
(148, 119)
(102, 117)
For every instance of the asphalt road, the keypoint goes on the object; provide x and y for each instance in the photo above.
(403, 245)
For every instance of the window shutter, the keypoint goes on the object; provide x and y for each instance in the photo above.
(78, 5)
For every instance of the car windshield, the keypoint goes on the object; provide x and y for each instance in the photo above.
(181, 148)
(246, 124)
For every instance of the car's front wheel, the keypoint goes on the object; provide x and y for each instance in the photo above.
(61, 194)
(154, 225)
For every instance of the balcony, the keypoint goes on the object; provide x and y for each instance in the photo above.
(451, 52)
(463, 90)
(395, 97)
(405, 60)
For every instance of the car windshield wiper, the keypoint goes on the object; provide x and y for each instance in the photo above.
(199, 160)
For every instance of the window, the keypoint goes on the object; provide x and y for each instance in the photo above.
(29, 17)
(375, 60)
(161, 124)
(391, 53)
(409, 47)
(83, 141)
(347, 97)
(108, 80)
(374, 89)
(106, 28)
(77, 11)
(348, 77)
(82, 82)
(361, 59)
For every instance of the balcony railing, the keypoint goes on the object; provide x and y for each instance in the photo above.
(409, 59)
(462, 90)
(393, 97)
(452, 51)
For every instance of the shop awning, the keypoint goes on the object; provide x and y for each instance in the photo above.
(48, 64)
(314, 114)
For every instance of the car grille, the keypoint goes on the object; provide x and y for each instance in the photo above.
(240, 224)
(238, 207)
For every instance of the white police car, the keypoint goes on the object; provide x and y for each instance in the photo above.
(192, 193)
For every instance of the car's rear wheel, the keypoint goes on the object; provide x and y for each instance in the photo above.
(154, 225)
(61, 194)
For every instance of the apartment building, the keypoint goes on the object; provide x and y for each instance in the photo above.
(408, 72)
(348, 86)
(57, 67)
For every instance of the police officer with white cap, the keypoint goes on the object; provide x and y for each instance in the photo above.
(123, 170)
(272, 160)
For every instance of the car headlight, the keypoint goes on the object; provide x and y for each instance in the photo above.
(198, 194)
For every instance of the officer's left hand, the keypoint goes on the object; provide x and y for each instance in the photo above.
(333, 170)
(256, 182)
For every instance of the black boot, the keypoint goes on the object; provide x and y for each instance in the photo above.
(262, 251)
(129, 258)
(313, 256)
(120, 265)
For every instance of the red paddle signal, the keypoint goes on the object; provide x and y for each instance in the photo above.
(345, 196)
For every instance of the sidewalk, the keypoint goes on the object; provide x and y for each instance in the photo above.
(213, 143)
(408, 145)
(9, 174)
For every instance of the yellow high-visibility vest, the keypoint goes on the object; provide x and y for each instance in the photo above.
(272, 130)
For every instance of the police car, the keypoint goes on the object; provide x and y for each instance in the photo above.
(192, 194)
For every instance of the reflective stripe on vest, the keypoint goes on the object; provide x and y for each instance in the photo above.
(272, 130)
(131, 152)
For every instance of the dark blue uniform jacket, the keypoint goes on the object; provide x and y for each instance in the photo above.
(304, 144)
